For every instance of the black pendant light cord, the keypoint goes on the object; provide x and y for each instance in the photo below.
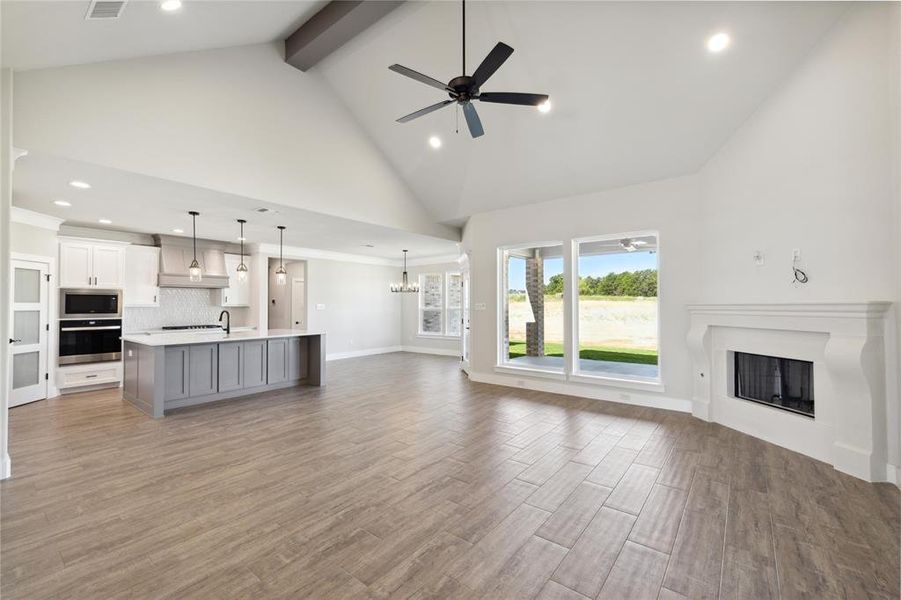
(194, 214)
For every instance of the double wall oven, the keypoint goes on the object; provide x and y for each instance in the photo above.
(90, 326)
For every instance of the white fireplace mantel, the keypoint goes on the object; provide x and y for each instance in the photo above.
(846, 343)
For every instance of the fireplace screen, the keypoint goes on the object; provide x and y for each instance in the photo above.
(784, 383)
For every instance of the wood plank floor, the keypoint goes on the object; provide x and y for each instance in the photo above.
(402, 479)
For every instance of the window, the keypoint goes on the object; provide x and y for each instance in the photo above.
(454, 320)
(611, 296)
(616, 307)
(532, 301)
(440, 304)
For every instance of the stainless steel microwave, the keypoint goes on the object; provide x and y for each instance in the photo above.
(90, 303)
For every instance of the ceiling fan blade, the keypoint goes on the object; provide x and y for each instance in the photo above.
(420, 77)
(423, 111)
(514, 98)
(492, 62)
(472, 119)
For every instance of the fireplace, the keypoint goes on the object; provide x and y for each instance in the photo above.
(784, 383)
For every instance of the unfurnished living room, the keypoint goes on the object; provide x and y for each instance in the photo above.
(444, 299)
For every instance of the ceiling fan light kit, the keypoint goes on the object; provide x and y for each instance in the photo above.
(466, 88)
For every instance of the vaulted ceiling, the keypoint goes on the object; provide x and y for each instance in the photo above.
(636, 96)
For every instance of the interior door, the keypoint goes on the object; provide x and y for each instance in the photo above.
(298, 304)
(29, 316)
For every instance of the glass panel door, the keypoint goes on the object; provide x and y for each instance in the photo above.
(28, 324)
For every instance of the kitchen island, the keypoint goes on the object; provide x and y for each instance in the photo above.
(173, 370)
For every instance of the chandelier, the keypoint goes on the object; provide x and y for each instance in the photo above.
(405, 285)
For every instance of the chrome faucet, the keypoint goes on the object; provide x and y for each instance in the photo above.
(228, 321)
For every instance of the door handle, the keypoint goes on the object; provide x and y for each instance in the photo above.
(14, 341)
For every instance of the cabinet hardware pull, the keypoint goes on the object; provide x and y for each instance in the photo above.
(90, 376)
(89, 328)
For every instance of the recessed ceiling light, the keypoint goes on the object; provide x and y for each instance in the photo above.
(545, 107)
(435, 142)
(62, 203)
(170, 5)
(368, 246)
(80, 184)
(178, 230)
(105, 221)
(718, 42)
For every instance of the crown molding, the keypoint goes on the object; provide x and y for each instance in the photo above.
(35, 219)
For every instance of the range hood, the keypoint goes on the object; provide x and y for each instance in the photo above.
(176, 254)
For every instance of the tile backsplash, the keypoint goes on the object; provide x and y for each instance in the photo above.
(179, 306)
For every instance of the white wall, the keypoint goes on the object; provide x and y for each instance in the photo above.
(412, 341)
(669, 207)
(350, 302)
(28, 239)
(6, 83)
(816, 168)
(811, 169)
(237, 120)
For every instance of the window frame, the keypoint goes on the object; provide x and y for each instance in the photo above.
(576, 373)
(443, 309)
(571, 371)
(503, 360)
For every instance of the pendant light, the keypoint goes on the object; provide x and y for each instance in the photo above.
(194, 270)
(242, 268)
(281, 275)
(405, 286)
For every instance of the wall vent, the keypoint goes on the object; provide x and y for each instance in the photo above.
(104, 9)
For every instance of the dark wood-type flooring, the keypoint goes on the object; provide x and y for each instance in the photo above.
(401, 479)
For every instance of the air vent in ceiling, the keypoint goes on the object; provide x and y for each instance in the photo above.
(104, 9)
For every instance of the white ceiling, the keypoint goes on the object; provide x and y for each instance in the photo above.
(143, 204)
(636, 96)
(38, 34)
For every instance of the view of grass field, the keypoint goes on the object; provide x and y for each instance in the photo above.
(616, 328)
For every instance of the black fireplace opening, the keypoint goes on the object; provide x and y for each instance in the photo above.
(784, 383)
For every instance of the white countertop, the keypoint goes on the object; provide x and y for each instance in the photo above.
(179, 339)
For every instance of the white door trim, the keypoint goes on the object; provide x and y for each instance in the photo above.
(53, 315)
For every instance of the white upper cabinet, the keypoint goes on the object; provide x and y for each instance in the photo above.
(75, 268)
(142, 269)
(86, 264)
(237, 293)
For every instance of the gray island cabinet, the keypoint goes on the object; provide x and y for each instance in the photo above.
(167, 371)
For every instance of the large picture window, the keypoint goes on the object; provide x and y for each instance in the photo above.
(440, 304)
(616, 306)
(613, 332)
(532, 321)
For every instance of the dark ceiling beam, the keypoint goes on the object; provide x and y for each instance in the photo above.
(333, 26)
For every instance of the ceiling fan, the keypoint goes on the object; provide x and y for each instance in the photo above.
(466, 88)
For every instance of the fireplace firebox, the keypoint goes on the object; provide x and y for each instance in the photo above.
(784, 383)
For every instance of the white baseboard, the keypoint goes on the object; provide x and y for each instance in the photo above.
(594, 392)
(893, 474)
(6, 469)
(438, 351)
(358, 353)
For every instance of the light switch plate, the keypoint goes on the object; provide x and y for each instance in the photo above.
(759, 259)
(320, 307)
(479, 306)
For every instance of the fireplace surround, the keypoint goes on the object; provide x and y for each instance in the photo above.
(845, 347)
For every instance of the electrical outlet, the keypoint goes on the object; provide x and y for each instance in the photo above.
(796, 255)
(320, 307)
(480, 306)
(759, 258)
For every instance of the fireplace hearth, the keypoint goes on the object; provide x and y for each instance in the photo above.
(784, 383)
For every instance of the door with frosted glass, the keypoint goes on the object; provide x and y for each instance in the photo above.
(28, 325)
